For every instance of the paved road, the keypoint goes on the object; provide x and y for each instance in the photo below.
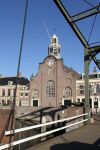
(85, 138)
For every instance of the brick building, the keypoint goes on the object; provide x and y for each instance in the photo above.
(54, 83)
(94, 85)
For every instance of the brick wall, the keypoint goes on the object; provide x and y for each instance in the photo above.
(3, 118)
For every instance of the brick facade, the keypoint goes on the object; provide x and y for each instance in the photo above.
(63, 78)
(54, 83)
(94, 85)
(4, 114)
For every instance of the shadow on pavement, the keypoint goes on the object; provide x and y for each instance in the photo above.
(97, 142)
(75, 145)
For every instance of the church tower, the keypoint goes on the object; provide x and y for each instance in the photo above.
(54, 47)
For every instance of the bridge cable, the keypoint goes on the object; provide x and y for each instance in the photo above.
(12, 112)
(94, 43)
(88, 3)
(18, 70)
(93, 21)
(93, 25)
(92, 28)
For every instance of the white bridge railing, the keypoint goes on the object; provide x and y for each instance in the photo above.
(42, 134)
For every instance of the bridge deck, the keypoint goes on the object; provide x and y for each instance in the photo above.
(87, 137)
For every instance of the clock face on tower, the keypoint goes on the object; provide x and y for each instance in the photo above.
(50, 62)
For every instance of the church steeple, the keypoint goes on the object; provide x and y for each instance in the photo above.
(54, 47)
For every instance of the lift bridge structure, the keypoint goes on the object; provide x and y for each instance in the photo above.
(90, 53)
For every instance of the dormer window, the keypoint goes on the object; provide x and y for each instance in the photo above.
(10, 82)
(25, 87)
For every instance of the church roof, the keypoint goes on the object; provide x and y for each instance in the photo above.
(71, 69)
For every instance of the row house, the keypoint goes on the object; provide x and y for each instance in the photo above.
(94, 89)
(7, 91)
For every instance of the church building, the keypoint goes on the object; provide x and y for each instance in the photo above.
(55, 83)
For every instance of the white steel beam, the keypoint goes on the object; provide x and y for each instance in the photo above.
(39, 135)
(41, 125)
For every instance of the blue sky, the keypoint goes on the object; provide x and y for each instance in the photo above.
(36, 40)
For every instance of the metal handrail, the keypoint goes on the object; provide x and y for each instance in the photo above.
(45, 133)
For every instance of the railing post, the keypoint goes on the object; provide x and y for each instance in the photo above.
(43, 129)
(43, 134)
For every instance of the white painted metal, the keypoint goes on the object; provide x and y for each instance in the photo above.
(46, 133)
(39, 135)
(44, 124)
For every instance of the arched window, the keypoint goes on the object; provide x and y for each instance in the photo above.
(50, 89)
(35, 94)
(67, 92)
